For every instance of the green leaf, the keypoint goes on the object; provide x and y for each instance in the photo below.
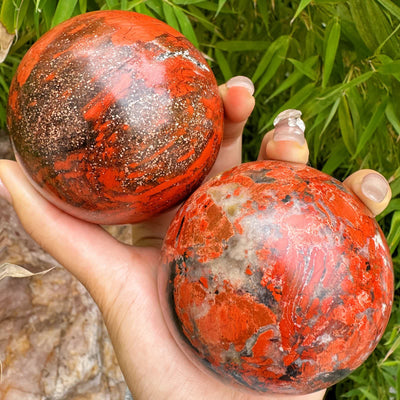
(392, 349)
(156, 6)
(186, 2)
(373, 123)
(221, 4)
(338, 155)
(7, 15)
(393, 237)
(48, 11)
(295, 102)
(395, 184)
(269, 55)
(346, 125)
(21, 14)
(64, 11)
(354, 393)
(361, 19)
(83, 6)
(170, 17)
(186, 27)
(12, 14)
(391, 7)
(392, 117)
(263, 9)
(341, 88)
(212, 6)
(398, 382)
(242, 45)
(392, 68)
(145, 7)
(202, 19)
(303, 4)
(134, 4)
(331, 114)
(373, 27)
(223, 65)
(112, 4)
(390, 364)
(291, 80)
(302, 68)
(277, 58)
(331, 46)
(392, 337)
(368, 394)
(36, 23)
(306, 67)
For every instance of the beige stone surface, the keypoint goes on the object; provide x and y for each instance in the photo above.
(53, 343)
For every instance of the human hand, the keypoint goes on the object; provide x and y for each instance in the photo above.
(122, 279)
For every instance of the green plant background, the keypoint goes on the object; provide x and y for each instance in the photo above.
(337, 61)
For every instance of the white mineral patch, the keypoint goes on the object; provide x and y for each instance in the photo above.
(200, 311)
(223, 196)
(184, 54)
(324, 339)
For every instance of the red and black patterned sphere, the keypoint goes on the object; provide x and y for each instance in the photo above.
(115, 116)
(280, 278)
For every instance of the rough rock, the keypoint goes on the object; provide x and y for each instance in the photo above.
(53, 342)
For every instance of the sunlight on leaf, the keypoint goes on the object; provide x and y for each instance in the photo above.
(303, 4)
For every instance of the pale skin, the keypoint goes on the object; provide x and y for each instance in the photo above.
(122, 279)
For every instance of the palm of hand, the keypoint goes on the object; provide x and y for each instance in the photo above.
(123, 280)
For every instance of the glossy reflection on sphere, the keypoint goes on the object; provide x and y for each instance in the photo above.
(278, 277)
(115, 116)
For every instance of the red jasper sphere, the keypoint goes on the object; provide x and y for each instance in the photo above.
(279, 277)
(115, 116)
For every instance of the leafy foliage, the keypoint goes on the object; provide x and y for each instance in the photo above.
(336, 60)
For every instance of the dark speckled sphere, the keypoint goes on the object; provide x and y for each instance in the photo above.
(115, 116)
(278, 278)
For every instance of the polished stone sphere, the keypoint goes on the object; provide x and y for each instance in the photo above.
(277, 277)
(115, 116)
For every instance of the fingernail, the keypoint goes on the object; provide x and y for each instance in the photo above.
(289, 126)
(375, 187)
(242, 81)
(4, 193)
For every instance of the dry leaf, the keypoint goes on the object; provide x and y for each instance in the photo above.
(6, 40)
(15, 271)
